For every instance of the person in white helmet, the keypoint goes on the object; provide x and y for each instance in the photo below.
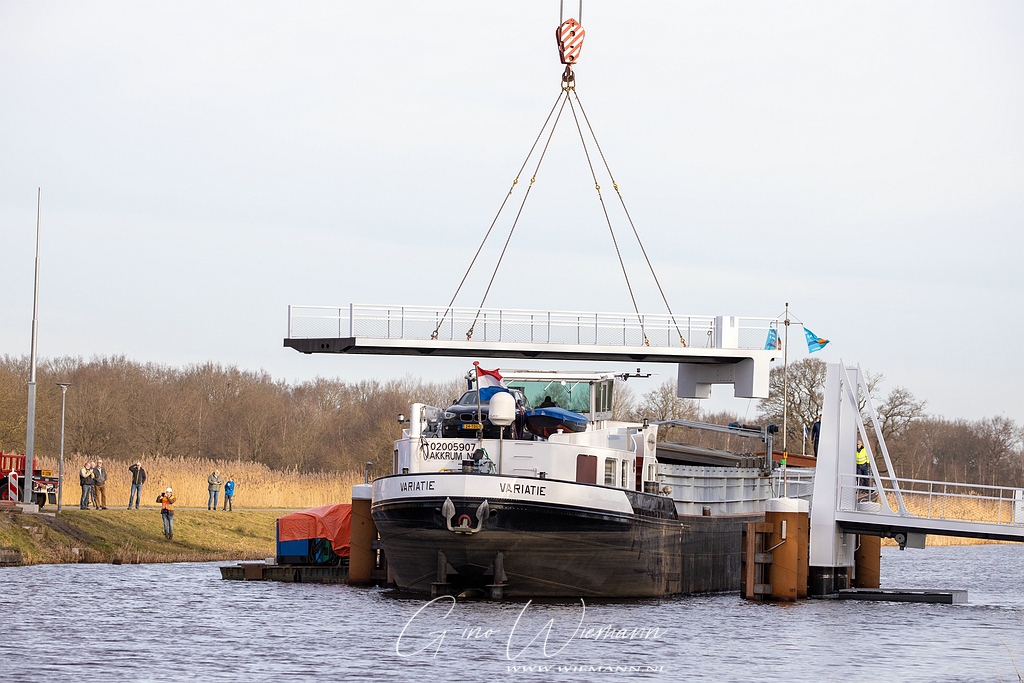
(166, 500)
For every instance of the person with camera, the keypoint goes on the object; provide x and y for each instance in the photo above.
(166, 500)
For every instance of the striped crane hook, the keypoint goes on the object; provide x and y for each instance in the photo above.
(570, 40)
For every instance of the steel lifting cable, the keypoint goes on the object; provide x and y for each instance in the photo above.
(561, 12)
(496, 216)
(564, 94)
(607, 218)
(622, 201)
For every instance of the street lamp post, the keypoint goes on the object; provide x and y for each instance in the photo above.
(60, 466)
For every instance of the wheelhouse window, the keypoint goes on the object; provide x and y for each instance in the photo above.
(571, 395)
(609, 472)
(603, 399)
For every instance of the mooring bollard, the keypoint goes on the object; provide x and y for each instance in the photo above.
(787, 545)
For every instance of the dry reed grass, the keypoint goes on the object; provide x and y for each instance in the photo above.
(959, 508)
(256, 485)
(964, 509)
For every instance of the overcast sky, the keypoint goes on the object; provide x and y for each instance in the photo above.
(203, 165)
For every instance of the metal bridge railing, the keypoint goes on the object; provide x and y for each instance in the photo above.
(934, 499)
(517, 326)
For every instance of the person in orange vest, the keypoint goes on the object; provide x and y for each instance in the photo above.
(166, 500)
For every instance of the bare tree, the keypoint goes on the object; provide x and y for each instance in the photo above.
(805, 391)
(624, 402)
(663, 403)
(13, 401)
(806, 395)
(898, 410)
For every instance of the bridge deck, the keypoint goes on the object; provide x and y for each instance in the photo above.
(514, 333)
(875, 524)
(547, 351)
(928, 507)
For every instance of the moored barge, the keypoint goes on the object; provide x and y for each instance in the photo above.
(588, 514)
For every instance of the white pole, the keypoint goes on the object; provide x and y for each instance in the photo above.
(60, 467)
(785, 382)
(479, 409)
(30, 426)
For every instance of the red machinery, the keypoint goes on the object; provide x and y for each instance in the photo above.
(12, 481)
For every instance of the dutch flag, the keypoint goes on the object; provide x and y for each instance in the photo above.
(488, 382)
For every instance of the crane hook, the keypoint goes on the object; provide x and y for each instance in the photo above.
(570, 39)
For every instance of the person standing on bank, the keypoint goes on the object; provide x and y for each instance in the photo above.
(229, 494)
(86, 481)
(138, 479)
(166, 500)
(863, 470)
(215, 483)
(100, 487)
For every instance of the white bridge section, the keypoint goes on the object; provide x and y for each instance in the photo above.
(709, 349)
(845, 504)
(930, 507)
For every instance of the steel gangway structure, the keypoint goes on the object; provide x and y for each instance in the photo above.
(707, 349)
(846, 506)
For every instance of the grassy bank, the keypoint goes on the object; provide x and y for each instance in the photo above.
(132, 536)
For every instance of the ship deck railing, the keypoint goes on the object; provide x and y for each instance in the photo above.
(402, 322)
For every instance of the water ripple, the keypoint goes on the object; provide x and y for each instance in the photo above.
(181, 621)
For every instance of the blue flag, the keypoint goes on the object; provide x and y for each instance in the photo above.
(814, 342)
(772, 344)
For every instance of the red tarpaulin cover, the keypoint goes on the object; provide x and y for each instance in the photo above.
(333, 522)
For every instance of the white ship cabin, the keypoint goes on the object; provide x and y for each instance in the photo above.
(604, 452)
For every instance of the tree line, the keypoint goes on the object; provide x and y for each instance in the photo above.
(122, 409)
(922, 446)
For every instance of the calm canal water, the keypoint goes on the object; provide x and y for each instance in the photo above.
(181, 622)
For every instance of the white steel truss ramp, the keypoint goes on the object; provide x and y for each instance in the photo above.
(844, 504)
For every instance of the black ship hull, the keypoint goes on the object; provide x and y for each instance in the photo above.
(552, 549)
